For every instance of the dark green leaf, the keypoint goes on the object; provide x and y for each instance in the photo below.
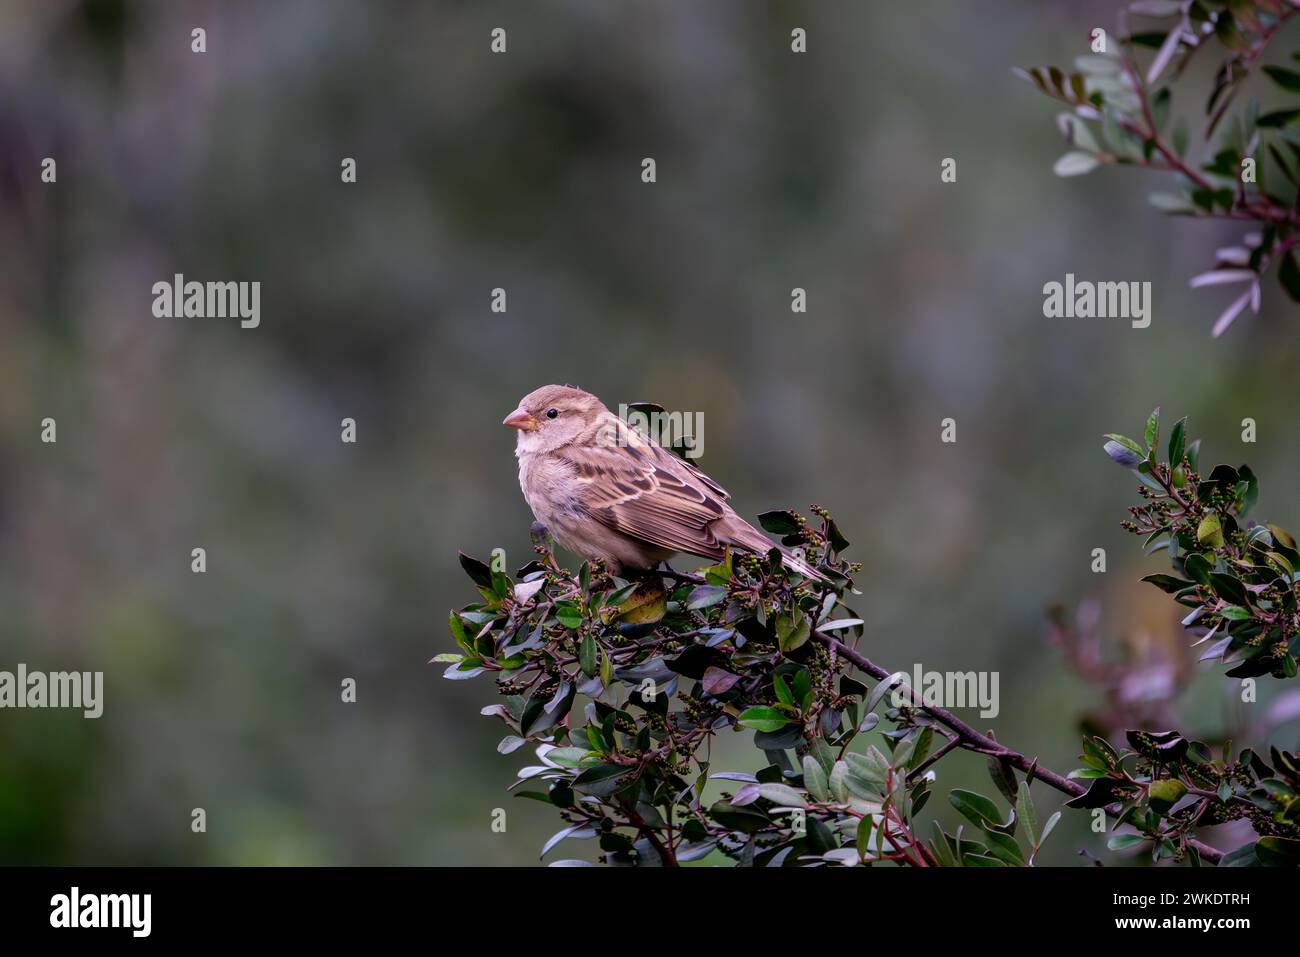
(1288, 80)
(1168, 583)
(1288, 275)
(780, 522)
(792, 629)
(978, 809)
(1178, 442)
(478, 572)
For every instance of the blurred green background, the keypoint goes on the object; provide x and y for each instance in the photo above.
(522, 171)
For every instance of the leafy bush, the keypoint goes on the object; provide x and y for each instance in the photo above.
(1238, 578)
(1119, 115)
(620, 687)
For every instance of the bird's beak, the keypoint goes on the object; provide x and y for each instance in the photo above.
(521, 420)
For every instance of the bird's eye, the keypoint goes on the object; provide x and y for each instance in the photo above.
(552, 413)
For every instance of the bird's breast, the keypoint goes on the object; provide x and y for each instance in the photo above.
(548, 487)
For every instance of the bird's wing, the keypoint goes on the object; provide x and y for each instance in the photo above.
(699, 476)
(639, 489)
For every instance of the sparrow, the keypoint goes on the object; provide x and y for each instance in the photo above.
(606, 491)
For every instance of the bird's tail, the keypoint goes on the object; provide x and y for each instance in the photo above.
(795, 563)
(752, 540)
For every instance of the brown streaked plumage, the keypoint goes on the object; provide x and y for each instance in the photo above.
(606, 491)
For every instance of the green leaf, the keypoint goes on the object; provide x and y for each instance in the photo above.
(782, 794)
(1168, 583)
(1288, 80)
(792, 629)
(601, 780)
(1152, 434)
(1225, 28)
(606, 669)
(478, 572)
(1282, 536)
(883, 688)
(1165, 794)
(568, 614)
(941, 849)
(744, 819)
(779, 522)
(568, 757)
(721, 573)
(971, 859)
(1278, 851)
(802, 688)
(1199, 567)
(1004, 777)
(782, 689)
(921, 747)
(457, 628)
(1028, 816)
(1178, 442)
(1125, 441)
(1277, 119)
(1005, 848)
(1288, 275)
(1210, 531)
(1243, 856)
(836, 538)
(587, 659)
(864, 835)
(979, 810)
(762, 719)
(837, 782)
(871, 768)
(1122, 842)
(1049, 827)
(1229, 588)
(815, 780)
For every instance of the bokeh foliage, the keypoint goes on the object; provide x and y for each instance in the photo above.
(1118, 115)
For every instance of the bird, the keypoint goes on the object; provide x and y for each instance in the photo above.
(607, 492)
